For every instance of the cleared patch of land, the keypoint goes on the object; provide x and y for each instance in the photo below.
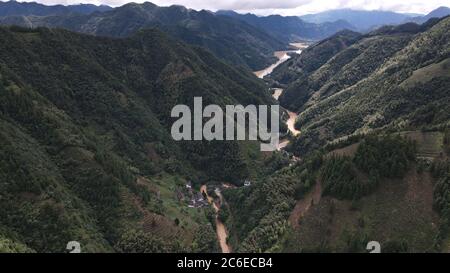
(303, 205)
(427, 73)
(429, 144)
(399, 211)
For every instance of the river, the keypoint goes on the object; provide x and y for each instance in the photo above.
(282, 57)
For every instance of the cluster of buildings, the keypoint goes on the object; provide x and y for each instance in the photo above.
(195, 198)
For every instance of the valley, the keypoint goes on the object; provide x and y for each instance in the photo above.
(88, 152)
(221, 230)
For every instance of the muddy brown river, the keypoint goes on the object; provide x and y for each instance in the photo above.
(282, 57)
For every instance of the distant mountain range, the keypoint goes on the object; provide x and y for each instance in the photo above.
(437, 13)
(246, 40)
(31, 8)
(368, 20)
(291, 28)
(232, 40)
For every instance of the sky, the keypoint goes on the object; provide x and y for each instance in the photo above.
(283, 7)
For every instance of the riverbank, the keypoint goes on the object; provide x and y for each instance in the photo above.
(292, 116)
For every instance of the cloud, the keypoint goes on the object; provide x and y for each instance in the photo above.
(283, 7)
(410, 6)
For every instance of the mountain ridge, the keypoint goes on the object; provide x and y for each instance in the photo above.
(437, 13)
(234, 41)
(290, 28)
(13, 8)
(362, 19)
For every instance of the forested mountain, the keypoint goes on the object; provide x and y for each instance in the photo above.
(363, 20)
(374, 148)
(87, 154)
(313, 57)
(232, 40)
(291, 28)
(13, 8)
(382, 79)
(86, 149)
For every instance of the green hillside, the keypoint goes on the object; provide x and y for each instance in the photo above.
(374, 161)
(87, 154)
(395, 77)
(86, 150)
(314, 57)
(375, 188)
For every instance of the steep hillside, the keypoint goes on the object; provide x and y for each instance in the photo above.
(373, 149)
(291, 28)
(373, 188)
(300, 66)
(396, 211)
(344, 69)
(86, 150)
(395, 76)
(230, 39)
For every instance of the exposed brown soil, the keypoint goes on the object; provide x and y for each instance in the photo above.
(302, 206)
